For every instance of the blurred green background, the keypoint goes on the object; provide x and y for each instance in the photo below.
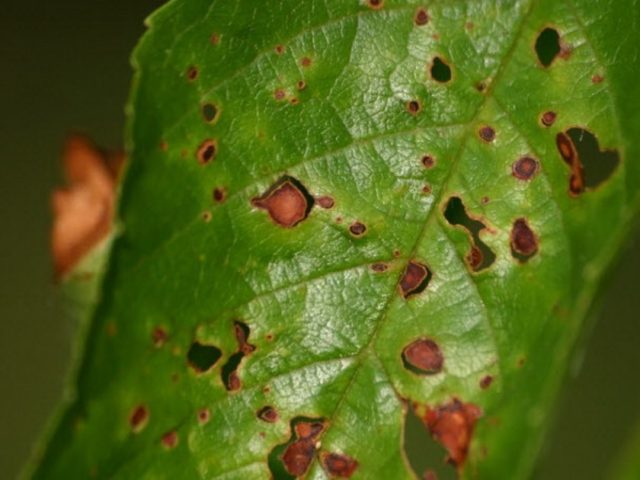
(64, 67)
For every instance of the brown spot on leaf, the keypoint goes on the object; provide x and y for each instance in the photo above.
(139, 418)
(299, 454)
(421, 17)
(452, 425)
(338, 465)
(214, 39)
(170, 439)
(357, 229)
(524, 243)
(487, 134)
(204, 415)
(375, 4)
(379, 267)
(423, 356)
(305, 62)
(325, 201)
(415, 279)
(206, 151)
(428, 161)
(287, 202)
(210, 112)
(206, 216)
(413, 107)
(597, 79)
(268, 414)
(301, 85)
(525, 168)
(83, 211)
(548, 118)
(192, 73)
(159, 337)
(229, 373)
(279, 94)
(219, 194)
(279, 49)
(486, 382)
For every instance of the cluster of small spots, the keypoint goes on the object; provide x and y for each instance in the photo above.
(421, 17)
(229, 374)
(423, 356)
(339, 465)
(357, 229)
(287, 202)
(139, 418)
(219, 194)
(170, 440)
(548, 118)
(325, 202)
(268, 414)
(159, 337)
(428, 161)
(413, 107)
(210, 112)
(524, 243)
(204, 415)
(206, 151)
(486, 382)
(415, 279)
(525, 168)
(487, 133)
(192, 73)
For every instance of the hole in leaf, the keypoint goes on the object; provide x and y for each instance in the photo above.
(338, 465)
(229, 373)
(423, 357)
(415, 279)
(423, 452)
(440, 70)
(202, 357)
(287, 202)
(480, 255)
(209, 112)
(548, 46)
(293, 459)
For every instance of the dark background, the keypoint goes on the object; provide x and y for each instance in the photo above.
(64, 66)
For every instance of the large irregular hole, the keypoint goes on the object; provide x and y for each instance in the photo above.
(424, 453)
(229, 373)
(423, 357)
(293, 459)
(548, 46)
(287, 202)
(415, 279)
(203, 357)
(338, 465)
(524, 243)
(589, 165)
(440, 70)
(480, 256)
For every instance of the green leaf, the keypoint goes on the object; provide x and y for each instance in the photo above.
(627, 464)
(336, 211)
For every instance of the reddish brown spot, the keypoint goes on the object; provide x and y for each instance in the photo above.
(233, 382)
(357, 229)
(421, 18)
(565, 51)
(206, 151)
(206, 216)
(83, 211)
(475, 257)
(423, 356)
(305, 62)
(487, 133)
(294, 101)
(430, 475)
(287, 202)
(524, 243)
(548, 118)
(242, 337)
(486, 382)
(159, 337)
(164, 146)
(413, 107)
(301, 85)
(268, 414)
(481, 86)
(426, 189)
(279, 94)
(397, 253)
(452, 425)
(214, 39)
(415, 279)
(192, 73)
(139, 418)
(379, 267)
(298, 456)
(170, 439)
(485, 200)
(428, 161)
(469, 25)
(597, 79)
(375, 4)
(325, 201)
(219, 194)
(339, 465)
(280, 49)
(204, 415)
(524, 168)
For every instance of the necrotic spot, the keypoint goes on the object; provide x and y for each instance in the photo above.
(421, 18)
(219, 194)
(428, 161)
(357, 229)
(268, 414)
(413, 107)
(548, 118)
(293, 459)
(524, 243)
(415, 279)
(287, 202)
(440, 70)
(170, 439)
(547, 46)
(325, 202)
(524, 168)
(487, 134)
(202, 357)
(206, 151)
(338, 465)
(423, 356)
(204, 415)
(375, 4)
(192, 73)
(209, 112)
(139, 418)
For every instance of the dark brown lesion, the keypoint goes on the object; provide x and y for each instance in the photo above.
(480, 256)
(415, 279)
(268, 414)
(524, 242)
(229, 373)
(295, 457)
(338, 465)
(423, 357)
(287, 202)
(207, 151)
(525, 168)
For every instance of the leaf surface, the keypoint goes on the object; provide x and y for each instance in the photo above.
(338, 210)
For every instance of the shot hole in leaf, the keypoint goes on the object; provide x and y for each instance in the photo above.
(548, 46)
